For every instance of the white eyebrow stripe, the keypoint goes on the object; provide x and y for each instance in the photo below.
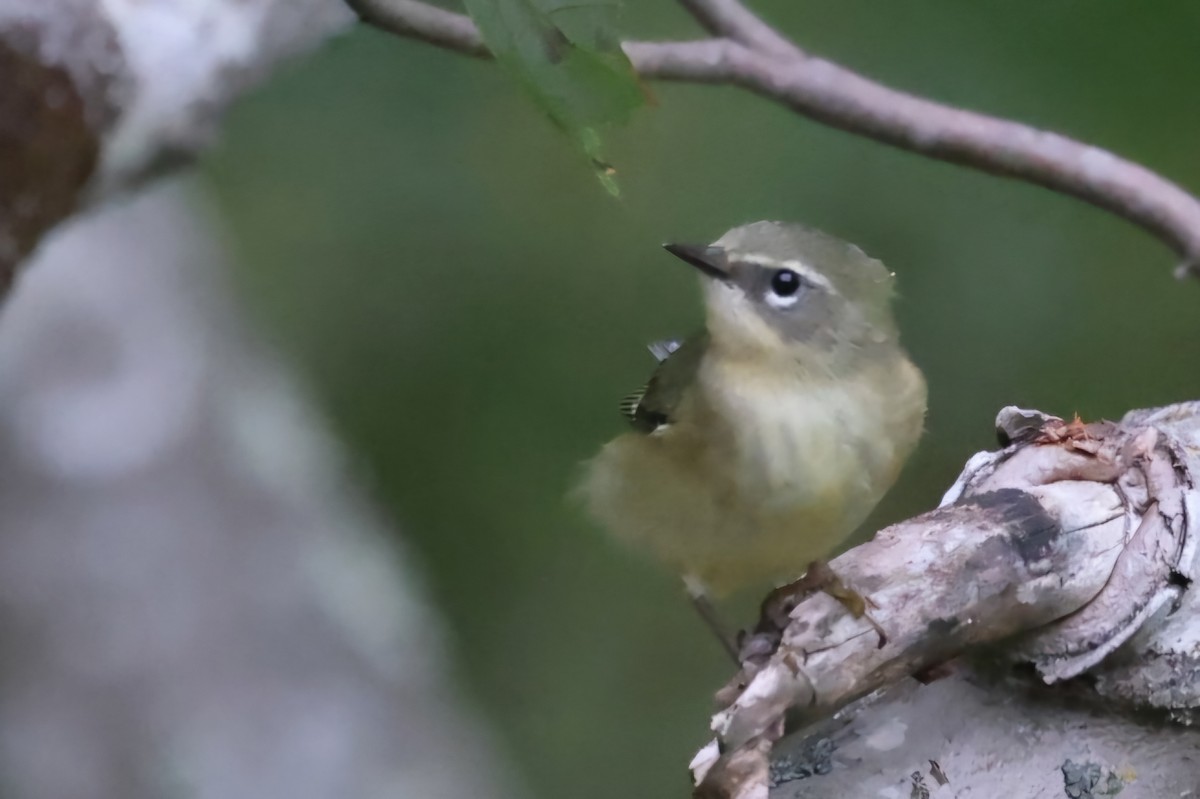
(799, 267)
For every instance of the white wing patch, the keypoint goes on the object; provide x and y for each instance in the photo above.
(661, 350)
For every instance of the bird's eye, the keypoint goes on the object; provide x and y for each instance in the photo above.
(785, 283)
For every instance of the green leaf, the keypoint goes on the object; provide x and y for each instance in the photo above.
(567, 55)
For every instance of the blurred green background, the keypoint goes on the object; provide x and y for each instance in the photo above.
(469, 305)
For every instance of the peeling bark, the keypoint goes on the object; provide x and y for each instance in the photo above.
(1065, 555)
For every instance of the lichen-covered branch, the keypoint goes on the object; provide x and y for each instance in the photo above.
(748, 53)
(1073, 545)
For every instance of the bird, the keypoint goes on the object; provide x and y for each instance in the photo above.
(764, 440)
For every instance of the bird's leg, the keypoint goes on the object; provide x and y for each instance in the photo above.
(703, 605)
(779, 604)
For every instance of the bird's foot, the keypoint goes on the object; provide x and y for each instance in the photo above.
(776, 609)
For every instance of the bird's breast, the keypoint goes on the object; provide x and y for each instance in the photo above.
(760, 470)
(793, 439)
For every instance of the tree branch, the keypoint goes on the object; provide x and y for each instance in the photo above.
(750, 54)
(843, 99)
(732, 20)
(703, 61)
(431, 24)
(1065, 545)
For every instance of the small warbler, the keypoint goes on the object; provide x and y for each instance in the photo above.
(762, 442)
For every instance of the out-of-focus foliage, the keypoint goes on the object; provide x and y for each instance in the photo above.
(568, 56)
(471, 308)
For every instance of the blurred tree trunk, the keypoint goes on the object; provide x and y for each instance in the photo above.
(194, 600)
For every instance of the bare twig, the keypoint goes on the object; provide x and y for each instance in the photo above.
(703, 61)
(750, 54)
(836, 96)
(732, 20)
(422, 21)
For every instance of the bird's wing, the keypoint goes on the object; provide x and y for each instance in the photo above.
(629, 404)
(654, 404)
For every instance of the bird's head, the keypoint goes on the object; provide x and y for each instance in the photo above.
(775, 288)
